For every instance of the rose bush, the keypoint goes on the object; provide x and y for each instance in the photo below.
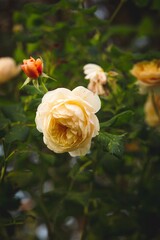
(112, 192)
(67, 120)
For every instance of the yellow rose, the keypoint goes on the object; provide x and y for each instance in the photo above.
(8, 69)
(148, 75)
(67, 120)
(151, 115)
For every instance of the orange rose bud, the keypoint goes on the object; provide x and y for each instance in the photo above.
(32, 68)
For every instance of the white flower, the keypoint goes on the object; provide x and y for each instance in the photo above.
(8, 69)
(67, 120)
(95, 72)
(97, 78)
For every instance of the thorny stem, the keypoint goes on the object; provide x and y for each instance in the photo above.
(116, 11)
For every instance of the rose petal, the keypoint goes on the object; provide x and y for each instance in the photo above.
(81, 151)
(89, 97)
(60, 93)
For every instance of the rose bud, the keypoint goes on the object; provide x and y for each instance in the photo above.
(32, 68)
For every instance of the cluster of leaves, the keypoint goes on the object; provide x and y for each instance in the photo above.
(112, 192)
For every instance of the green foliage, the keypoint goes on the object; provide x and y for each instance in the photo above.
(118, 120)
(4, 121)
(156, 4)
(141, 3)
(113, 143)
(17, 133)
(19, 178)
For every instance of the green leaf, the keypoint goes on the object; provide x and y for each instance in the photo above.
(111, 164)
(146, 27)
(17, 133)
(84, 177)
(89, 10)
(156, 4)
(123, 30)
(141, 3)
(31, 90)
(46, 76)
(20, 178)
(26, 82)
(78, 174)
(4, 121)
(48, 158)
(78, 197)
(81, 173)
(40, 8)
(113, 143)
(14, 112)
(119, 119)
(29, 37)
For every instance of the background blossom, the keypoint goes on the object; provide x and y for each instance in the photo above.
(97, 77)
(8, 69)
(148, 75)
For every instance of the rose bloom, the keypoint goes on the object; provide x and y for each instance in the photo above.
(148, 75)
(151, 116)
(32, 68)
(67, 120)
(8, 69)
(97, 78)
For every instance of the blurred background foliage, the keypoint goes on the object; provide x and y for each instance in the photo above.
(113, 192)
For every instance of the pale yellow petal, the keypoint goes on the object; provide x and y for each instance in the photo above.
(89, 97)
(59, 93)
(81, 151)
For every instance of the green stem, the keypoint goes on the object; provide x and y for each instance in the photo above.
(44, 86)
(84, 166)
(6, 158)
(14, 222)
(45, 212)
(47, 219)
(116, 11)
(3, 170)
(23, 124)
